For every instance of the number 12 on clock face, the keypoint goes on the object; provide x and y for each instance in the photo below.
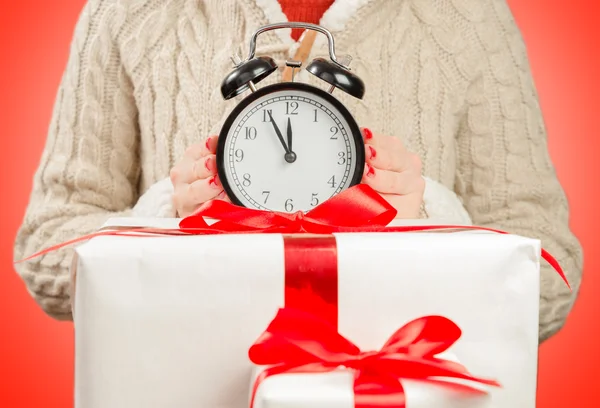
(289, 147)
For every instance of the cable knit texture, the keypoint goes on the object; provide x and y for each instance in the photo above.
(449, 77)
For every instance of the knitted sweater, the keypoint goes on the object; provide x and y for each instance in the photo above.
(449, 77)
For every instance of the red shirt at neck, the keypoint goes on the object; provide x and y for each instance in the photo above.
(305, 11)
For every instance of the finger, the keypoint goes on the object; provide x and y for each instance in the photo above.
(210, 144)
(199, 169)
(188, 170)
(390, 160)
(199, 150)
(188, 197)
(391, 182)
(194, 152)
(383, 142)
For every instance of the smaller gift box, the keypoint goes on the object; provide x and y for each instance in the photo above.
(334, 390)
(311, 365)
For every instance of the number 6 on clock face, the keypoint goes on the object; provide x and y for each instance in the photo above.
(288, 147)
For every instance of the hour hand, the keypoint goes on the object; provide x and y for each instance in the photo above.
(279, 135)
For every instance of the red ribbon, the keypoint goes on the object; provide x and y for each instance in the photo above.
(311, 275)
(356, 209)
(300, 342)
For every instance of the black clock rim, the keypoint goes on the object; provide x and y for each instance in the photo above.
(354, 129)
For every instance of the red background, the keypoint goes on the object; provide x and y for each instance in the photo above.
(36, 353)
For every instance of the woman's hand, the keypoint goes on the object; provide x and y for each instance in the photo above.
(394, 172)
(390, 169)
(195, 179)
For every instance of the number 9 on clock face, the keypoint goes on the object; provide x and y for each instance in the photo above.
(288, 147)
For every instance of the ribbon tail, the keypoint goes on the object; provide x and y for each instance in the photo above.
(401, 365)
(554, 263)
(143, 232)
(456, 387)
(80, 239)
(416, 228)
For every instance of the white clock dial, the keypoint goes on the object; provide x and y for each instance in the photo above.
(264, 172)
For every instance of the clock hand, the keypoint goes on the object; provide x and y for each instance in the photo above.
(289, 135)
(278, 133)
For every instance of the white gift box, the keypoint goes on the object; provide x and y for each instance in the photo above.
(167, 321)
(334, 390)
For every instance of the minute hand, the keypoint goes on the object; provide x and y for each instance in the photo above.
(289, 135)
(279, 135)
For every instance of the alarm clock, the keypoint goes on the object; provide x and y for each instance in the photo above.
(289, 146)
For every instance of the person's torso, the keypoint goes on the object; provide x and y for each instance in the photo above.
(408, 53)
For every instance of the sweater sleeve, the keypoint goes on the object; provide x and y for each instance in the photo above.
(505, 175)
(89, 167)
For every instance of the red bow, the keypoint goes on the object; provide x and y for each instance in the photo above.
(356, 209)
(299, 342)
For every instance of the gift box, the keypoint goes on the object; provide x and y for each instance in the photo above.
(167, 321)
(334, 390)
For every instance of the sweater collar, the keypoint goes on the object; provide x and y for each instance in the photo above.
(335, 18)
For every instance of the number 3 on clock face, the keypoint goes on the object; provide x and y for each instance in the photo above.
(288, 147)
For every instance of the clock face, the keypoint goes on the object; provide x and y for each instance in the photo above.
(289, 147)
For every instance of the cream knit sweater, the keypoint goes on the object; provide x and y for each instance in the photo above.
(448, 77)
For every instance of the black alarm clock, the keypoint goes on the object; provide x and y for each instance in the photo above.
(289, 146)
